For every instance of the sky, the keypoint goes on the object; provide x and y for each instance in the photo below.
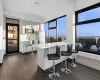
(92, 29)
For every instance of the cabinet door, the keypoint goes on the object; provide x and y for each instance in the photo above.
(41, 34)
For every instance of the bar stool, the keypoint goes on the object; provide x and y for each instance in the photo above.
(55, 56)
(66, 54)
(74, 52)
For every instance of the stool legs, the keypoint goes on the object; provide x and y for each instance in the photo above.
(73, 62)
(32, 52)
(65, 69)
(54, 75)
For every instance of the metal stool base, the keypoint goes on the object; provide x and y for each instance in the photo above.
(73, 65)
(54, 76)
(66, 70)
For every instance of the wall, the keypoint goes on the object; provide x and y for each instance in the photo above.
(1, 32)
(71, 22)
(42, 34)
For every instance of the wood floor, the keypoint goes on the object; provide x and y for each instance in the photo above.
(24, 67)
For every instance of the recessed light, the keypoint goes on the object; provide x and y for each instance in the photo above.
(36, 3)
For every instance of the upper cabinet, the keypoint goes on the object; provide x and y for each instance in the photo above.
(36, 28)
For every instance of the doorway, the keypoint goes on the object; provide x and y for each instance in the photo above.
(12, 38)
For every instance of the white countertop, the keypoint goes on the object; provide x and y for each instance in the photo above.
(48, 45)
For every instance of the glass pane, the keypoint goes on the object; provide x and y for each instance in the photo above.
(89, 36)
(12, 32)
(15, 32)
(10, 27)
(12, 45)
(62, 29)
(10, 35)
(88, 15)
(52, 24)
(52, 35)
(46, 31)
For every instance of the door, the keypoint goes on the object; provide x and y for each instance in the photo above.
(12, 38)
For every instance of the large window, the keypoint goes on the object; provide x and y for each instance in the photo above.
(62, 28)
(88, 29)
(56, 29)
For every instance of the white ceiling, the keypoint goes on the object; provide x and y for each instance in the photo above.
(47, 9)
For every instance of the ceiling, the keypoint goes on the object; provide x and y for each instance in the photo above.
(47, 9)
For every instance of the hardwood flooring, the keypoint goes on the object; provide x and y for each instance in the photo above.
(24, 67)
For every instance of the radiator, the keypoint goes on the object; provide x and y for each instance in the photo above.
(88, 59)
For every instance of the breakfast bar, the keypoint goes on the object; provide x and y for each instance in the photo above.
(49, 48)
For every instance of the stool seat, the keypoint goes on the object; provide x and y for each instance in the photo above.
(65, 53)
(53, 57)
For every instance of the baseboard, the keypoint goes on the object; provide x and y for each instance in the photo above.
(12, 54)
(30, 52)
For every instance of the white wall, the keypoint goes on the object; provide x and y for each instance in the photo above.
(1, 32)
(71, 21)
(42, 34)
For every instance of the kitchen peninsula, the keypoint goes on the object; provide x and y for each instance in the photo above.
(48, 48)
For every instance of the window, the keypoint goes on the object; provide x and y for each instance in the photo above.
(52, 24)
(52, 35)
(56, 29)
(53, 31)
(88, 15)
(62, 28)
(46, 31)
(88, 32)
(88, 29)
